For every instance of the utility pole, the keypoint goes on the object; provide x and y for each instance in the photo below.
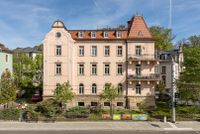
(173, 92)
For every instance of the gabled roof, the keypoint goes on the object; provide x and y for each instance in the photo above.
(138, 28)
(4, 49)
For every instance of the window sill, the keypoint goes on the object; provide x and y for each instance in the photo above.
(58, 75)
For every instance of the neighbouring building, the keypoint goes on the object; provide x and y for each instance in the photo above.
(166, 66)
(31, 52)
(89, 59)
(6, 61)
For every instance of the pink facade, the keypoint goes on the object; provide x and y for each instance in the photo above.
(90, 58)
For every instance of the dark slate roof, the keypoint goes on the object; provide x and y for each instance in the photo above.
(4, 49)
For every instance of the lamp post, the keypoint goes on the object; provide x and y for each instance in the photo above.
(173, 92)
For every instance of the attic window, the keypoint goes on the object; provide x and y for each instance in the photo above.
(80, 34)
(93, 34)
(140, 33)
(105, 34)
(118, 34)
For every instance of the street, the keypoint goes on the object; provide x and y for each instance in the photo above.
(98, 132)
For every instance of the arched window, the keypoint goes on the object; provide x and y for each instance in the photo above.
(120, 89)
(94, 88)
(81, 88)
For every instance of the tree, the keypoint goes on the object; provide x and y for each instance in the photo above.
(194, 41)
(63, 93)
(7, 88)
(161, 88)
(163, 37)
(28, 72)
(189, 80)
(110, 93)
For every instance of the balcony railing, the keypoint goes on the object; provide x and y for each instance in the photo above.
(144, 77)
(143, 57)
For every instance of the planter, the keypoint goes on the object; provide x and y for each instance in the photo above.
(116, 117)
(139, 117)
(126, 116)
(105, 116)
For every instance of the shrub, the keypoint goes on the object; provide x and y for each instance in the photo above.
(31, 114)
(77, 112)
(48, 108)
(94, 117)
(9, 114)
(96, 110)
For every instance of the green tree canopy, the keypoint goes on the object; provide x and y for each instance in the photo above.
(63, 92)
(189, 80)
(28, 72)
(163, 37)
(110, 93)
(7, 88)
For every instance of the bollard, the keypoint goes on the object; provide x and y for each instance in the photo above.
(165, 119)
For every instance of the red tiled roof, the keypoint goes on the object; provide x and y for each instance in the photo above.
(138, 28)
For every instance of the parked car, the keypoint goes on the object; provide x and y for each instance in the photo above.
(36, 98)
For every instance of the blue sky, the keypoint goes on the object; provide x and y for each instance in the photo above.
(25, 22)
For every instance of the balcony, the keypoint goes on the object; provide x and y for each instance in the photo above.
(148, 77)
(143, 57)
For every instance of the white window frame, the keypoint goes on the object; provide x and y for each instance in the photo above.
(81, 51)
(118, 69)
(138, 89)
(119, 50)
(163, 70)
(94, 88)
(106, 51)
(106, 69)
(58, 50)
(138, 69)
(58, 69)
(93, 69)
(93, 51)
(138, 50)
(118, 34)
(105, 34)
(81, 69)
(81, 88)
(93, 34)
(80, 34)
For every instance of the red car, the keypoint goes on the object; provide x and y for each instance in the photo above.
(36, 98)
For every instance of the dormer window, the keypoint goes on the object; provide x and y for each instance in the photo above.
(140, 33)
(80, 34)
(93, 34)
(105, 34)
(118, 34)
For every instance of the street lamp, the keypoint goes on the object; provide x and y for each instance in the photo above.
(173, 92)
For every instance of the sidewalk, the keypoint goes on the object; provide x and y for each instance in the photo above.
(145, 126)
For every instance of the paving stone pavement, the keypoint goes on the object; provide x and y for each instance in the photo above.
(101, 125)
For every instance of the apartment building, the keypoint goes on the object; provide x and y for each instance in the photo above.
(169, 69)
(6, 62)
(89, 59)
